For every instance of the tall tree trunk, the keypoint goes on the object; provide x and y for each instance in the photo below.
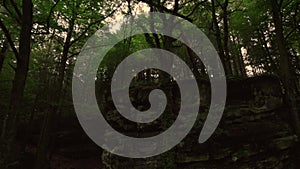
(226, 38)
(236, 63)
(285, 66)
(239, 57)
(221, 52)
(8, 137)
(169, 157)
(55, 101)
(264, 43)
(287, 76)
(2, 55)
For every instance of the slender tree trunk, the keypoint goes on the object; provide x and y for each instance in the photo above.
(285, 66)
(236, 64)
(2, 55)
(241, 59)
(287, 76)
(55, 101)
(8, 136)
(240, 65)
(226, 38)
(169, 156)
(195, 67)
(268, 53)
(221, 52)
(44, 80)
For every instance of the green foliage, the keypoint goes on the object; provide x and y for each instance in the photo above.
(251, 28)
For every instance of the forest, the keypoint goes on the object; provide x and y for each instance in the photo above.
(257, 42)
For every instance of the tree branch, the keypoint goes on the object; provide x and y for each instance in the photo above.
(73, 55)
(290, 33)
(90, 25)
(14, 68)
(50, 13)
(280, 3)
(16, 8)
(9, 39)
(185, 3)
(163, 8)
(9, 11)
(196, 7)
(47, 27)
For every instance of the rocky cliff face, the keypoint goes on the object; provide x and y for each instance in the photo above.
(254, 132)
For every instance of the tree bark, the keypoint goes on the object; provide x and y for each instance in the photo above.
(264, 43)
(236, 67)
(55, 101)
(221, 52)
(239, 57)
(2, 55)
(285, 66)
(9, 134)
(226, 38)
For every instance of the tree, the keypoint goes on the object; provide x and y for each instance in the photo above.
(285, 65)
(10, 123)
(2, 54)
(80, 22)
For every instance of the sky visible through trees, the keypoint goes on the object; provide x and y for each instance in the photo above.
(40, 41)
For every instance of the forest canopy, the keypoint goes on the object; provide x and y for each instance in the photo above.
(40, 41)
